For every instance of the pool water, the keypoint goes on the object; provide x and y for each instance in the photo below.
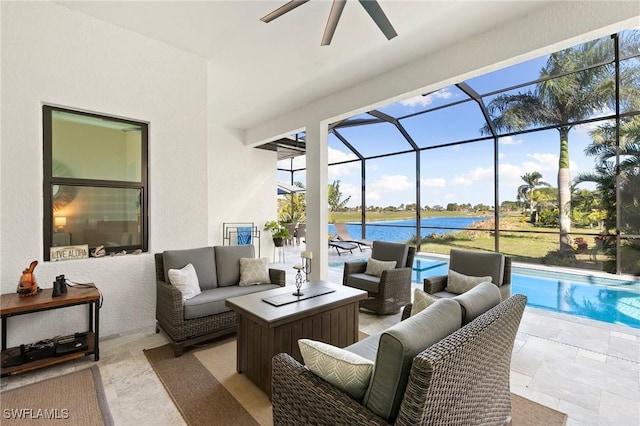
(610, 300)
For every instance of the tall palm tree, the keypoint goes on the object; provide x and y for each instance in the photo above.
(560, 102)
(531, 180)
(334, 197)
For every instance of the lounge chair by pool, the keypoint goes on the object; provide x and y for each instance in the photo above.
(343, 235)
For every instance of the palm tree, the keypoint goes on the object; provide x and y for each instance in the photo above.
(334, 197)
(531, 180)
(559, 102)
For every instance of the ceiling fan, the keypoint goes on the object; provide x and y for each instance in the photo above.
(371, 6)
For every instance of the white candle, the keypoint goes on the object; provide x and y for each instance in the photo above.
(307, 255)
(297, 266)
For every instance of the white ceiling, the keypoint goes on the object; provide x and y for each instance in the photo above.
(263, 70)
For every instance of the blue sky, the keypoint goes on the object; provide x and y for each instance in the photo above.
(460, 174)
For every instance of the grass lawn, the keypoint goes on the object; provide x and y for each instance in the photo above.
(519, 239)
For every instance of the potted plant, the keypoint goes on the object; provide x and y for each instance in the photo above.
(278, 232)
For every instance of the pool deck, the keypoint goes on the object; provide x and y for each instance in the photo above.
(585, 368)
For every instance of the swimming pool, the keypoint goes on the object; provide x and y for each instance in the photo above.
(605, 299)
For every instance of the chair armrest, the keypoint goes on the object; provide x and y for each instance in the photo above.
(168, 302)
(277, 276)
(406, 311)
(435, 284)
(300, 397)
(353, 268)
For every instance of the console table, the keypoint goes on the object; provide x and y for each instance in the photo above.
(12, 304)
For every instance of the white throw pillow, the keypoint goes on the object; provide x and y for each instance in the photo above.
(254, 271)
(186, 280)
(343, 369)
(421, 301)
(375, 267)
(458, 283)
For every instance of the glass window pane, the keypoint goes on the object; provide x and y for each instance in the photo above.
(451, 124)
(415, 104)
(87, 147)
(630, 85)
(375, 139)
(98, 216)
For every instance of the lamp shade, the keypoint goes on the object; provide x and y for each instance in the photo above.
(60, 221)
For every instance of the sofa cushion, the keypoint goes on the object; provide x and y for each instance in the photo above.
(459, 283)
(203, 262)
(343, 369)
(383, 250)
(478, 263)
(421, 301)
(254, 271)
(228, 263)
(367, 347)
(364, 282)
(477, 301)
(211, 302)
(375, 266)
(186, 280)
(398, 346)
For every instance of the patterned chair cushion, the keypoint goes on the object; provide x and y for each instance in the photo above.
(343, 369)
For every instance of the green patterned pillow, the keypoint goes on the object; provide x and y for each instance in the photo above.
(458, 283)
(421, 301)
(254, 271)
(375, 267)
(343, 369)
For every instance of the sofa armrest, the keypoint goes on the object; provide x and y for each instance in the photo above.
(277, 276)
(168, 302)
(353, 268)
(435, 284)
(300, 397)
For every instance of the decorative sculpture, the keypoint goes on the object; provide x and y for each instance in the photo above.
(28, 285)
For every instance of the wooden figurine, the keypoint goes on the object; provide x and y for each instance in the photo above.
(28, 285)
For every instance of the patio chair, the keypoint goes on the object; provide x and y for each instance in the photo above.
(472, 264)
(391, 289)
(343, 235)
(301, 232)
(291, 227)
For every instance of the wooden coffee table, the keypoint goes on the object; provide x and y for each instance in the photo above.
(265, 330)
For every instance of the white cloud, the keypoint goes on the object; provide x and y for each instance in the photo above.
(509, 140)
(433, 182)
(478, 174)
(340, 170)
(391, 183)
(510, 174)
(424, 101)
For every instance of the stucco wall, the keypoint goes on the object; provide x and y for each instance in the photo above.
(53, 55)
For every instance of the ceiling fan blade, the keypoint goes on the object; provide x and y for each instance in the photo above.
(332, 22)
(287, 7)
(375, 11)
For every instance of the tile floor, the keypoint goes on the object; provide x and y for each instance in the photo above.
(587, 369)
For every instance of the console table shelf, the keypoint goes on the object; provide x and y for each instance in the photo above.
(12, 305)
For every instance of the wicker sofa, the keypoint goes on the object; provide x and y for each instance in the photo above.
(205, 316)
(427, 370)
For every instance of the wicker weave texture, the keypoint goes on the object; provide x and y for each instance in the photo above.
(461, 380)
(394, 290)
(464, 378)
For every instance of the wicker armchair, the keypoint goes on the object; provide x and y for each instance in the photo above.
(392, 290)
(461, 380)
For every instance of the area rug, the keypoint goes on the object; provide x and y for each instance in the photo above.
(72, 399)
(206, 389)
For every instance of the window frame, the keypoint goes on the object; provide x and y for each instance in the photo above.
(49, 180)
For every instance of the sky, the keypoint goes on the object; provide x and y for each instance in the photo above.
(460, 174)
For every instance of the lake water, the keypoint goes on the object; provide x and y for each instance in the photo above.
(404, 230)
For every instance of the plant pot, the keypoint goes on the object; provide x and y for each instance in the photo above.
(279, 242)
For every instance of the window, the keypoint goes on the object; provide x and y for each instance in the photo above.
(95, 181)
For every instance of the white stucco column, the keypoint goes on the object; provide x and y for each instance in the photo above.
(317, 211)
